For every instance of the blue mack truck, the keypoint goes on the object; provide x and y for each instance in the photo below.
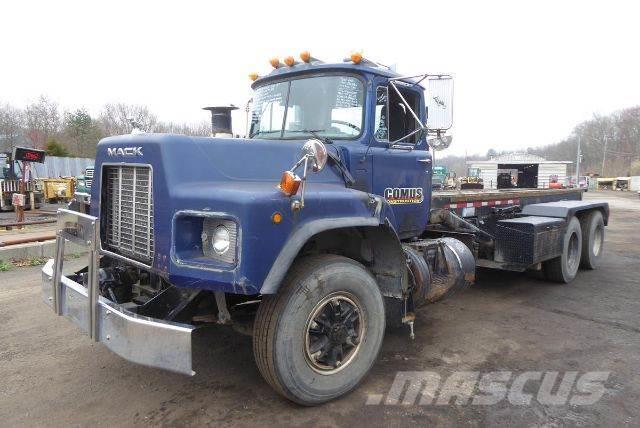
(315, 233)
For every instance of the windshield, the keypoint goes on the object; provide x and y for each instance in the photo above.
(327, 106)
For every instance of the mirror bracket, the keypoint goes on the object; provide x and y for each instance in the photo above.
(422, 127)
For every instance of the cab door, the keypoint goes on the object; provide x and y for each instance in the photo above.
(402, 171)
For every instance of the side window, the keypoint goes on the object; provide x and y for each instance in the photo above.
(381, 131)
(402, 124)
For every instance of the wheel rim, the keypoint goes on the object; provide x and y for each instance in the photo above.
(597, 241)
(574, 253)
(333, 333)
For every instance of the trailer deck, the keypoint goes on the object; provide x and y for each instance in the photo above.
(459, 200)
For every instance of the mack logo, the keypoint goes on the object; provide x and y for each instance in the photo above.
(124, 151)
(404, 195)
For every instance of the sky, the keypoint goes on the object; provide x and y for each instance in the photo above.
(526, 72)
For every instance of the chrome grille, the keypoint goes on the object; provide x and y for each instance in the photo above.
(129, 211)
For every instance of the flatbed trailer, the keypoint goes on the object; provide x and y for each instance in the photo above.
(468, 203)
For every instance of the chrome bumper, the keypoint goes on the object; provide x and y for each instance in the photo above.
(140, 339)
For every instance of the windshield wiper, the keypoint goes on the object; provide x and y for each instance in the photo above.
(313, 132)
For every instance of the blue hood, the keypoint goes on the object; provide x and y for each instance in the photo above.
(237, 178)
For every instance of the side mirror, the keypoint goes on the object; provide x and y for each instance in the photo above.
(439, 101)
(314, 158)
(316, 154)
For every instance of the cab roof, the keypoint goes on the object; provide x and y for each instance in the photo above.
(284, 71)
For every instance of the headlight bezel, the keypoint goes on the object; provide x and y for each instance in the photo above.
(209, 227)
(192, 240)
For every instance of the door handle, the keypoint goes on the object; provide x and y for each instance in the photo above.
(425, 160)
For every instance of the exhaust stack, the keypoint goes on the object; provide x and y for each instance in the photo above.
(221, 120)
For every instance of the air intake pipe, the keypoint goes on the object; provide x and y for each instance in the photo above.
(221, 120)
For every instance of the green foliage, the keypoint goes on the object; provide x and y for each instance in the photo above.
(4, 266)
(54, 148)
(37, 261)
(81, 132)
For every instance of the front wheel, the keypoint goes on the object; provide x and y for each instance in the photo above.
(318, 337)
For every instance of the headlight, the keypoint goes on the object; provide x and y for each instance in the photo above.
(221, 240)
(219, 237)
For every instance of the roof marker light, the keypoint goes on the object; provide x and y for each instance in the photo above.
(356, 57)
(290, 61)
(253, 76)
(275, 62)
(305, 56)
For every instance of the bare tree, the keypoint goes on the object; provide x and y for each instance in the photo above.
(42, 120)
(195, 129)
(115, 119)
(11, 127)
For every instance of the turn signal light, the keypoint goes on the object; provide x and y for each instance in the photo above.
(276, 218)
(253, 76)
(275, 62)
(289, 183)
(356, 57)
(290, 61)
(305, 56)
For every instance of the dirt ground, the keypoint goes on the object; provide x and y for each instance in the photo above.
(52, 375)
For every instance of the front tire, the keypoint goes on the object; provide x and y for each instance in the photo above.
(318, 337)
(564, 268)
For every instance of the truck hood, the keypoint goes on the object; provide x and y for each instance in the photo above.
(223, 178)
(184, 159)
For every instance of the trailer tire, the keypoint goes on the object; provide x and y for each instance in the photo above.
(565, 267)
(592, 239)
(293, 356)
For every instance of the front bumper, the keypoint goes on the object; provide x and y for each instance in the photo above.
(140, 339)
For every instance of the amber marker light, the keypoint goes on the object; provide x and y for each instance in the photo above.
(356, 57)
(276, 218)
(289, 183)
(305, 56)
(275, 62)
(253, 76)
(290, 61)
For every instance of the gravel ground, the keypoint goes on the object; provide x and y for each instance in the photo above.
(52, 375)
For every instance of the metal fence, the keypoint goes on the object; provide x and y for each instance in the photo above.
(54, 167)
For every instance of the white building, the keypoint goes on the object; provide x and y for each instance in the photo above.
(520, 170)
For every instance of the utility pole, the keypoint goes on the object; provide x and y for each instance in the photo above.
(578, 164)
(604, 156)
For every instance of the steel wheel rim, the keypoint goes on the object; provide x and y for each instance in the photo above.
(597, 241)
(574, 251)
(332, 342)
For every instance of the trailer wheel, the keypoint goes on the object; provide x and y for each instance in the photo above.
(592, 239)
(565, 267)
(318, 337)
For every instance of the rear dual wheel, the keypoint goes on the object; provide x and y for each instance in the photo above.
(592, 225)
(583, 246)
(317, 338)
(565, 267)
